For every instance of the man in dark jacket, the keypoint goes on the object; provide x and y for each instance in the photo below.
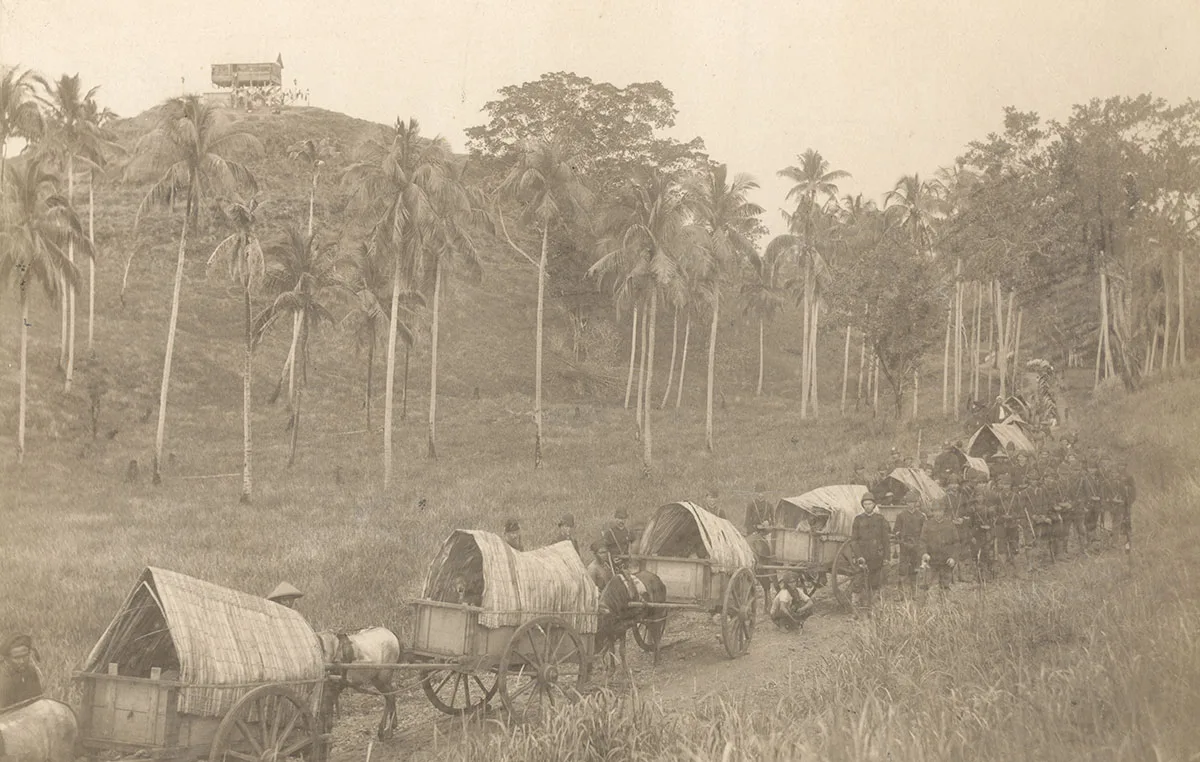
(945, 465)
(940, 539)
(870, 538)
(909, 524)
(20, 679)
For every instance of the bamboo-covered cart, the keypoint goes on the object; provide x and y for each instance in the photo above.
(706, 565)
(495, 620)
(811, 537)
(192, 670)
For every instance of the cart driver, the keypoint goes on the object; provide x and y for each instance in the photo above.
(20, 679)
(617, 537)
(285, 595)
(600, 569)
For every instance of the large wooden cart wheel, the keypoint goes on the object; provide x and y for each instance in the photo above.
(271, 723)
(739, 611)
(648, 632)
(544, 665)
(844, 575)
(456, 692)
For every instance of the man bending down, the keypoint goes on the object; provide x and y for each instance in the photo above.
(790, 606)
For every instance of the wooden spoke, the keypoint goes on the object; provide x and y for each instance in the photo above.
(449, 690)
(739, 610)
(844, 576)
(544, 657)
(269, 724)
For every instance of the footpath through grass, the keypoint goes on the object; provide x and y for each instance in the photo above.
(1097, 659)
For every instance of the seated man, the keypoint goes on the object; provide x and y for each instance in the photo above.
(20, 679)
(600, 569)
(790, 607)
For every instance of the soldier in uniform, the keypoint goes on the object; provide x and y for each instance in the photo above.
(617, 537)
(940, 541)
(566, 530)
(870, 538)
(759, 511)
(909, 524)
(945, 465)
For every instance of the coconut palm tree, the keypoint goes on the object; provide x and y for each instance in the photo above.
(99, 119)
(724, 225)
(644, 243)
(191, 154)
(300, 275)
(815, 183)
(763, 295)
(241, 254)
(543, 180)
(72, 137)
(38, 225)
(20, 116)
(915, 205)
(393, 183)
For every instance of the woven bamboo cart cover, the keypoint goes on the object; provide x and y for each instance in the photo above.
(674, 524)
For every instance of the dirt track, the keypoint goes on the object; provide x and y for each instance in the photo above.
(692, 665)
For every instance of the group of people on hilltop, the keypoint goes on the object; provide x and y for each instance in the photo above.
(1041, 503)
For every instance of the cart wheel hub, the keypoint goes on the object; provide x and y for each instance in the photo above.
(550, 674)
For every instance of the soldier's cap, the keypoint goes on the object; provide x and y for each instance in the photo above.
(512, 525)
(16, 641)
(621, 513)
(567, 520)
(283, 591)
(868, 498)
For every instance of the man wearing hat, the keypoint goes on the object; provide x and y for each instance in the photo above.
(617, 537)
(285, 595)
(20, 679)
(512, 533)
(759, 511)
(870, 536)
(566, 527)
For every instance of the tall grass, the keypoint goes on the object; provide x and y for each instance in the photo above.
(1096, 659)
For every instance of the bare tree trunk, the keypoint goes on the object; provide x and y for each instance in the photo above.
(647, 448)
(862, 361)
(712, 360)
(390, 378)
(1100, 335)
(1152, 347)
(70, 293)
(958, 353)
(404, 388)
(845, 370)
(1181, 342)
(976, 344)
(247, 481)
(916, 397)
(875, 384)
(633, 337)
(1106, 322)
(312, 195)
(166, 376)
(24, 373)
(1001, 341)
(91, 260)
(537, 386)
(946, 363)
(642, 393)
(1016, 362)
(687, 334)
(804, 348)
(302, 358)
(370, 375)
(431, 450)
(674, 347)
(991, 342)
(758, 389)
(297, 318)
(813, 389)
(1166, 320)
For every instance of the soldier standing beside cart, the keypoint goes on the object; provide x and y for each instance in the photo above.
(870, 536)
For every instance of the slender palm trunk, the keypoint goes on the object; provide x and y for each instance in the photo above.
(641, 388)
(958, 353)
(1102, 349)
(812, 358)
(804, 376)
(1016, 364)
(1166, 321)
(758, 390)
(1152, 348)
(537, 384)
(946, 365)
(712, 362)
(247, 482)
(862, 362)
(69, 292)
(91, 259)
(1001, 338)
(404, 388)
(845, 370)
(674, 347)
(875, 384)
(633, 342)
(302, 358)
(647, 446)
(24, 374)
(975, 343)
(1181, 342)
(991, 341)
(291, 358)
(312, 195)
(390, 379)
(916, 398)
(687, 335)
(166, 374)
(370, 374)
(431, 449)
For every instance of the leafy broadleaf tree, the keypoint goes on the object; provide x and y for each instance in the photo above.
(191, 153)
(544, 182)
(241, 256)
(38, 224)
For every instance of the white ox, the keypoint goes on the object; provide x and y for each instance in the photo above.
(370, 645)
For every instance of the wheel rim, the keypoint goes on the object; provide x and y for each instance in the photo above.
(542, 667)
(457, 693)
(648, 634)
(843, 574)
(269, 724)
(739, 613)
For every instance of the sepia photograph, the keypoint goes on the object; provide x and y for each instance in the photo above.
(621, 381)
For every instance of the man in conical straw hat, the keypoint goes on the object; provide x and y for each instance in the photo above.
(285, 595)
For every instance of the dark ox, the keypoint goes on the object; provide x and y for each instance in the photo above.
(620, 610)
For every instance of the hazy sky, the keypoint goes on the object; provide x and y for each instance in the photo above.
(882, 88)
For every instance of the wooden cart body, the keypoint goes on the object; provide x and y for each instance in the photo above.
(452, 633)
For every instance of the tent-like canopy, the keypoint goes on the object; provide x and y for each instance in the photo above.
(681, 530)
(931, 493)
(829, 510)
(996, 437)
(214, 637)
(516, 585)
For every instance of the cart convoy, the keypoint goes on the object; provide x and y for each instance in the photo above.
(191, 670)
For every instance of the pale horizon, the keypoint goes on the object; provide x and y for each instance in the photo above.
(881, 90)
